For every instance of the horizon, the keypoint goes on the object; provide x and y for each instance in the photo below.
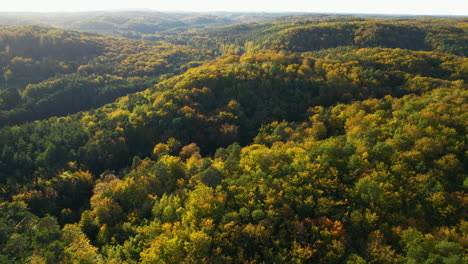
(365, 7)
(147, 10)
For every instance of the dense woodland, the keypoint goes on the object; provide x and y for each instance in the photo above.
(233, 138)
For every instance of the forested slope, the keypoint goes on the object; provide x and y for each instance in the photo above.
(442, 35)
(51, 72)
(295, 141)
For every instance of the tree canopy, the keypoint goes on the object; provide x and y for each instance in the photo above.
(194, 139)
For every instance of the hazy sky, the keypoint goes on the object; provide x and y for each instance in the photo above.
(434, 7)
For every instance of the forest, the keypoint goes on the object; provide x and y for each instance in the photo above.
(145, 137)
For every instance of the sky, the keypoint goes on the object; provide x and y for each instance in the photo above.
(413, 7)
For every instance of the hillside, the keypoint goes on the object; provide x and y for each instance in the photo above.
(290, 139)
(51, 72)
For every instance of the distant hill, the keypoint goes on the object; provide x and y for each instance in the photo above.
(49, 71)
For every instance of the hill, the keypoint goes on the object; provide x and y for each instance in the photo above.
(52, 72)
